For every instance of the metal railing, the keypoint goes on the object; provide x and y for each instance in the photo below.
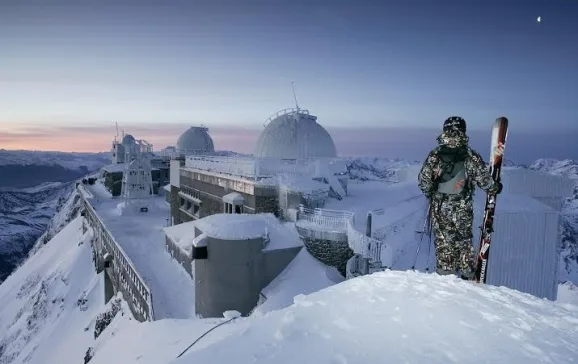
(251, 168)
(136, 292)
(285, 112)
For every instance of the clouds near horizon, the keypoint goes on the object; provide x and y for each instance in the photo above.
(393, 142)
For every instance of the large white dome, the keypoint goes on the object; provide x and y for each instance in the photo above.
(196, 140)
(294, 134)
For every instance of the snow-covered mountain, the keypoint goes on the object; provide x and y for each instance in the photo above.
(375, 169)
(22, 168)
(24, 217)
(52, 311)
(68, 160)
(33, 187)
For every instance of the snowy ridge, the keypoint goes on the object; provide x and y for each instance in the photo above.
(24, 217)
(69, 160)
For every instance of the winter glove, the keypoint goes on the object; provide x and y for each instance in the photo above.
(496, 188)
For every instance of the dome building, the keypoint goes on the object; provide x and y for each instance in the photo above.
(196, 140)
(294, 134)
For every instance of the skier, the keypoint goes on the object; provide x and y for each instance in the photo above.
(448, 178)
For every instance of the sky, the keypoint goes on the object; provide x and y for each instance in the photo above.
(380, 70)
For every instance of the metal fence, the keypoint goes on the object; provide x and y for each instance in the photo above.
(252, 168)
(127, 279)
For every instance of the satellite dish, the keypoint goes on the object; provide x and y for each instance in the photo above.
(539, 19)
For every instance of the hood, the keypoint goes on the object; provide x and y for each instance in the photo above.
(453, 138)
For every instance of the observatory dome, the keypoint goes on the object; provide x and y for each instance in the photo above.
(294, 134)
(128, 140)
(196, 140)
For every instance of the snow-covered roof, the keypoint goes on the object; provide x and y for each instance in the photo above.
(294, 182)
(233, 197)
(233, 226)
(167, 187)
(294, 135)
(236, 227)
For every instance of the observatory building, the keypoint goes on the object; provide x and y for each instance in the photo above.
(196, 140)
(119, 150)
(294, 134)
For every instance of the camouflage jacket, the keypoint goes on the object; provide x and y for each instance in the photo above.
(477, 173)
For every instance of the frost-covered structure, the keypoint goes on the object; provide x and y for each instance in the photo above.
(232, 258)
(120, 150)
(294, 134)
(524, 253)
(195, 140)
(137, 183)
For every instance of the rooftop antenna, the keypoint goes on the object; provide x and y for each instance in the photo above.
(295, 96)
(116, 137)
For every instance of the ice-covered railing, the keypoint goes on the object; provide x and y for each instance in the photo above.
(285, 112)
(251, 168)
(133, 287)
(329, 222)
(335, 220)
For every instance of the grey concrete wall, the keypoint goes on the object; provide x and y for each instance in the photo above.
(331, 253)
(108, 287)
(273, 262)
(174, 202)
(210, 205)
(178, 254)
(212, 186)
(228, 279)
(265, 204)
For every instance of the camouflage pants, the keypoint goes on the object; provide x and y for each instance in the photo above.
(452, 227)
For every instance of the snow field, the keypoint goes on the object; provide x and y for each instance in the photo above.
(405, 317)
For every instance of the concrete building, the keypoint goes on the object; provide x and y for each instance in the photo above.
(231, 258)
(294, 134)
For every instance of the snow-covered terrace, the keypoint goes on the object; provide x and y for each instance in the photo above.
(257, 168)
(141, 237)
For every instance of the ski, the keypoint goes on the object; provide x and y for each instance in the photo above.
(499, 135)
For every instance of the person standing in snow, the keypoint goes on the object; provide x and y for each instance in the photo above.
(448, 178)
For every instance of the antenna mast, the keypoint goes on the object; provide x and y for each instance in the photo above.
(116, 138)
(295, 96)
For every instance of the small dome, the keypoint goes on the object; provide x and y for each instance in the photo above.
(128, 139)
(196, 140)
(294, 134)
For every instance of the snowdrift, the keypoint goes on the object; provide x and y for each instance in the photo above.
(386, 317)
(405, 317)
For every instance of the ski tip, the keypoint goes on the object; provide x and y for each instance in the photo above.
(502, 120)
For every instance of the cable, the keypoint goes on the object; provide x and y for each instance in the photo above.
(200, 337)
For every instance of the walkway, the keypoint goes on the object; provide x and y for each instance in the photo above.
(141, 237)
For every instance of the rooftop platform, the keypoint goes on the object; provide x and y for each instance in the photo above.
(141, 237)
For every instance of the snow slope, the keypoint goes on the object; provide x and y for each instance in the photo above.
(39, 312)
(24, 217)
(387, 317)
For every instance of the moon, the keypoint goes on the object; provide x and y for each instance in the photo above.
(539, 20)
